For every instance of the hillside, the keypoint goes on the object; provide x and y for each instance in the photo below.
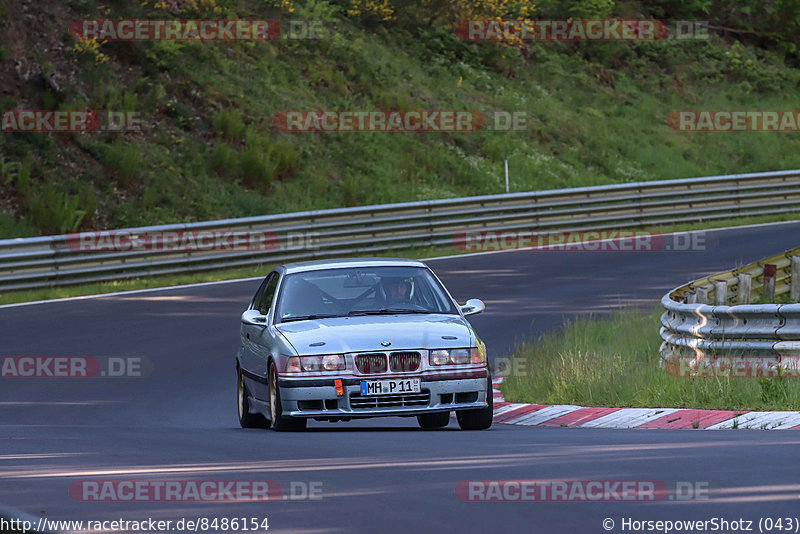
(208, 146)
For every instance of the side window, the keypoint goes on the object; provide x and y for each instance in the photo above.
(260, 292)
(264, 299)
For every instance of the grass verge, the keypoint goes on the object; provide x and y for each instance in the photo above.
(613, 361)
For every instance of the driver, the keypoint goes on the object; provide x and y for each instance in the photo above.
(398, 290)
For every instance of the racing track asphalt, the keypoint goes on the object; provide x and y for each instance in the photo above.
(378, 476)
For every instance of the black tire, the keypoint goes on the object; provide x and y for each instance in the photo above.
(246, 419)
(433, 420)
(281, 423)
(479, 419)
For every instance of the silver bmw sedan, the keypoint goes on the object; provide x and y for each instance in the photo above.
(341, 339)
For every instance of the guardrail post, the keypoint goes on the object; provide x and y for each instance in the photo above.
(702, 295)
(770, 271)
(744, 288)
(795, 288)
(720, 292)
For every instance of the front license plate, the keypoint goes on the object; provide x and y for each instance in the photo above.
(388, 387)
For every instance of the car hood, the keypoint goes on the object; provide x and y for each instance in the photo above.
(366, 333)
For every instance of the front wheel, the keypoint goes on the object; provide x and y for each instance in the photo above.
(280, 422)
(479, 419)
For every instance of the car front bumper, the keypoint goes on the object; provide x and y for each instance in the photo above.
(316, 397)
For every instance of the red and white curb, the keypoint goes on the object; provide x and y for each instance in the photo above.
(567, 415)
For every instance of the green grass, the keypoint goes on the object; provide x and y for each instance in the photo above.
(229, 125)
(596, 115)
(613, 361)
(122, 162)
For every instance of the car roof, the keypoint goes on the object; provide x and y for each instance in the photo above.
(341, 263)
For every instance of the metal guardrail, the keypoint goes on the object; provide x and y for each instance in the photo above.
(51, 261)
(713, 316)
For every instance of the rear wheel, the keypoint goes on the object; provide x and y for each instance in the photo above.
(246, 419)
(434, 420)
(479, 419)
(280, 422)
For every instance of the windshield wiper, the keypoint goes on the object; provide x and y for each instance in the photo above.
(307, 317)
(386, 311)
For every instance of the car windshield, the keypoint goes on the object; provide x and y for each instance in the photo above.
(361, 291)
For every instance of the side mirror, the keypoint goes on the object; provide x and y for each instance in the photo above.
(254, 318)
(473, 306)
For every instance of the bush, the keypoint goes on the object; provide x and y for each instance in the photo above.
(284, 155)
(87, 202)
(229, 125)
(440, 13)
(122, 160)
(149, 197)
(263, 160)
(55, 212)
(257, 169)
(352, 190)
(223, 159)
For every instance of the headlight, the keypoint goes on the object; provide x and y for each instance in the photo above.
(315, 364)
(440, 357)
(333, 362)
(456, 356)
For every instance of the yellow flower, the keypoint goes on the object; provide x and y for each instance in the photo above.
(90, 47)
(285, 5)
(382, 9)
